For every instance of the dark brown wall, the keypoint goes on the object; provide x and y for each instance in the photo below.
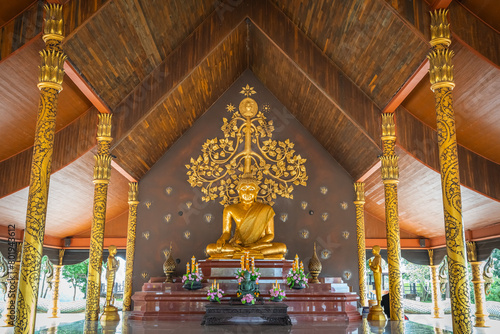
(170, 171)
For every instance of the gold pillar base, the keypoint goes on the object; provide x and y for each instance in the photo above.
(376, 314)
(109, 319)
(109, 316)
(377, 326)
(481, 320)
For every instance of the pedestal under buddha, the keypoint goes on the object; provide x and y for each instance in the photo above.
(254, 227)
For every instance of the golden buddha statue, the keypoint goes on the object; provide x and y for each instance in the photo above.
(376, 311)
(254, 230)
(110, 313)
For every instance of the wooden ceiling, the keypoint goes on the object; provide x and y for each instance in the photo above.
(18, 80)
(158, 65)
(10, 9)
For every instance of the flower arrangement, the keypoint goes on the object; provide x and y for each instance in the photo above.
(248, 299)
(276, 293)
(215, 294)
(296, 278)
(192, 278)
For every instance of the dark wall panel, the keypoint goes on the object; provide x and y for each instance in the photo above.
(169, 171)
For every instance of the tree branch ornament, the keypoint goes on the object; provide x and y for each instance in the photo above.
(247, 149)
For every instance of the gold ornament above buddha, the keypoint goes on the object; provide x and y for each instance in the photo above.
(247, 169)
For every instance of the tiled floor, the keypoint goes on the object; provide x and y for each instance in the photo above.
(420, 324)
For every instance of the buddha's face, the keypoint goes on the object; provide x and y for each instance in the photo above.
(248, 192)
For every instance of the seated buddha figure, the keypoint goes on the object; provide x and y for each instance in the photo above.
(254, 227)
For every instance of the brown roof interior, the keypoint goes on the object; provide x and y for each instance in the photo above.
(336, 65)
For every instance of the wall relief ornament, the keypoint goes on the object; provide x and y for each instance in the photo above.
(168, 217)
(304, 233)
(325, 254)
(247, 147)
(145, 235)
(323, 190)
(304, 205)
(169, 190)
(284, 217)
(324, 216)
(208, 217)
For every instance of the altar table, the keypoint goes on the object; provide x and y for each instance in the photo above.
(271, 312)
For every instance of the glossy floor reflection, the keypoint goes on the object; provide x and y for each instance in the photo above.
(73, 323)
(194, 327)
(64, 325)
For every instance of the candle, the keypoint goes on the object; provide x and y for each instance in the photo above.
(242, 262)
(196, 267)
(278, 286)
(253, 264)
(192, 263)
(301, 265)
(187, 268)
(217, 286)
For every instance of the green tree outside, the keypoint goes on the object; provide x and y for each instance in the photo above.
(76, 274)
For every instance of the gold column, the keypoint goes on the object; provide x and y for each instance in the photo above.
(57, 278)
(50, 84)
(477, 280)
(102, 173)
(436, 296)
(13, 280)
(132, 222)
(359, 188)
(441, 77)
(390, 177)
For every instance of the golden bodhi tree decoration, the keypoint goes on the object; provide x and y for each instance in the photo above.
(247, 148)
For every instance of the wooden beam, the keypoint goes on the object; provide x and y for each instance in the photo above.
(122, 171)
(370, 172)
(439, 4)
(408, 87)
(84, 243)
(85, 88)
(405, 243)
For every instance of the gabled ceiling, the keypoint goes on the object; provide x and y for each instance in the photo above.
(335, 65)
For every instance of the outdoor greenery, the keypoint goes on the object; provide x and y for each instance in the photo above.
(76, 274)
(420, 276)
(495, 286)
